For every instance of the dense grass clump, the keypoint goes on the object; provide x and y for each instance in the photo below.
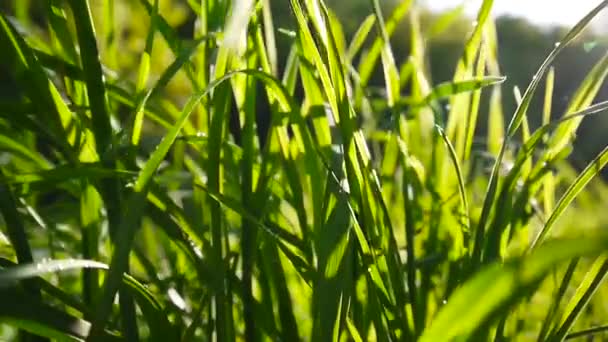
(285, 199)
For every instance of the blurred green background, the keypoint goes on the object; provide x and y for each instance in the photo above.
(522, 47)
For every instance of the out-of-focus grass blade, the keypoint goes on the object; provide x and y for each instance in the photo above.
(592, 281)
(444, 21)
(130, 220)
(9, 276)
(549, 182)
(49, 105)
(559, 295)
(471, 119)
(367, 67)
(41, 319)
(90, 222)
(360, 37)
(587, 332)
(59, 25)
(500, 286)
(235, 33)
(17, 148)
(531, 90)
(66, 173)
(594, 168)
(515, 123)
(465, 68)
(162, 82)
(448, 89)
(151, 308)
(582, 98)
(391, 75)
(143, 76)
(101, 126)
(15, 226)
(548, 101)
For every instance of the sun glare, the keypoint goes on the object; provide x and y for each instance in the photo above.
(544, 12)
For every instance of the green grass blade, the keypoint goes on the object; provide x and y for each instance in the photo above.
(587, 332)
(42, 319)
(367, 68)
(9, 276)
(501, 285)
(516, 122)
(593, 169)
(360, 37)
(592, 281)
(94, 78)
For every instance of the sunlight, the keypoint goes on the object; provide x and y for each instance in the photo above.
(543, 12)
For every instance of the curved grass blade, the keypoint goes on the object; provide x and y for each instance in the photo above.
(500, 286)
(41, 319)
(166, 76)
(49, 106)
(583, 97)
(9, 276)
(449, 89)
(592, 281)
(136, 203)
(516, 122)
(152, 310)
(593, 169)
(459, 175)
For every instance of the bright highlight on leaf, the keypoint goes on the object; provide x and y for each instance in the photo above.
(298, 170)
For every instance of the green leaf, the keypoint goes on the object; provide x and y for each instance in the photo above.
(499, 286)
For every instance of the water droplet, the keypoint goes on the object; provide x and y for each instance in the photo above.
(444, 302)
(557, 44)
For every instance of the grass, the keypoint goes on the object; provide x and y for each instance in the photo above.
(356, 215)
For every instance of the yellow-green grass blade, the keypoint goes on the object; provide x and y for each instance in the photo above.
(44, 320)
(143, 75)
(461, 183)
(60, 31)
(359, 38)
(152, 309)
(516, 122)
(582, 98)
(471, 119)
(549, 182)
(593, 169)
(580, 299)
(465, 69)
(366, 68)
(29, 74)
(500, 286)
(164, 79)
(94, 78)
(135, 204)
